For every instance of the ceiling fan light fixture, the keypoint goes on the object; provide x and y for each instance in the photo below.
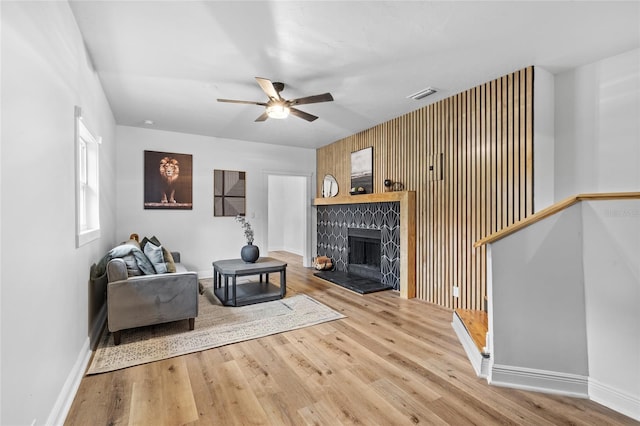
(278, 107)
(278, 111)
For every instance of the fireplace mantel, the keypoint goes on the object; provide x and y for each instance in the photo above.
(382, 197)
(407, 201)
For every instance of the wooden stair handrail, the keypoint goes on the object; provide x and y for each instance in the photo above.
(553, 209)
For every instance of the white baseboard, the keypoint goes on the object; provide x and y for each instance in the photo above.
(98, 326)
(479, 363)
(287, 249)
(205, 274)
(294, 251)
(617, 400)
(63, 403)
(539, 380)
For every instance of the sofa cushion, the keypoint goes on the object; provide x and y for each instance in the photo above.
(154, 254)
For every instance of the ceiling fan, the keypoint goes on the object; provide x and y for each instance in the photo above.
(277, 106)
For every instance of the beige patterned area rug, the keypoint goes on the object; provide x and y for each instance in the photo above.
(215, 326)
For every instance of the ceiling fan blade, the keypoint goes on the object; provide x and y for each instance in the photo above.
(302, 114)
(233, 101)
(263, 117)
(325, 97)
(268, 88)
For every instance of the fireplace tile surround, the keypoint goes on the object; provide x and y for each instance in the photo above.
(334, 222)
(407, 229)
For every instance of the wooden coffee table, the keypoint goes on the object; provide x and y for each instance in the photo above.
(252, 292)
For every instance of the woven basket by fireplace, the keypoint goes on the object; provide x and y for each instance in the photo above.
(323, 263)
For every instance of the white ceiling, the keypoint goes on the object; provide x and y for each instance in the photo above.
(168, 61)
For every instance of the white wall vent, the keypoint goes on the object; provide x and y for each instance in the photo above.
(423, 93)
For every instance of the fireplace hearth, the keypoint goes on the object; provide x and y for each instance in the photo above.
(353, 282)
(363, 274)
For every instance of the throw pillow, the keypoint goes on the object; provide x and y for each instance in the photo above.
(153, 239)
(168, 258)
(143, 243)
(154, 254)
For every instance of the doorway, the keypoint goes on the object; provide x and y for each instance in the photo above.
(288, 215)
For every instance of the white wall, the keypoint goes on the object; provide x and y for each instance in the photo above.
(612, 286)
(287, 210)
(45, 311)
(544, 139)
(197, 234)
(597, 124)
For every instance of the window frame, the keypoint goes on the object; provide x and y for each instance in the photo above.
(87, 161)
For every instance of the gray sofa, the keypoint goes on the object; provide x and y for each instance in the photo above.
(136, 301)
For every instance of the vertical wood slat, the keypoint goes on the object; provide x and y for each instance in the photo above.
(485, 136)
(529, 141)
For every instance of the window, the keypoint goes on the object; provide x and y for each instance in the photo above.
(87, 183)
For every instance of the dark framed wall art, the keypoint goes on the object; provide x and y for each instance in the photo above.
(168, 180)
(229, 193)
(362, 171)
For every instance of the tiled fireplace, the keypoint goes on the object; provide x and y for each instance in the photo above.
(362, 224)
(387, 216)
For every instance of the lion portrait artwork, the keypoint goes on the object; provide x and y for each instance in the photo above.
(169, 173)
(168, 180)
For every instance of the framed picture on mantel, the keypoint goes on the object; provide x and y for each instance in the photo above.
(362, 171)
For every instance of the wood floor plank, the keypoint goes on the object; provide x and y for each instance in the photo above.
(237, 396)
(365, 404)
(411, 406)
(319, 414)
(163, 397)
(266, 379)
(391, 361)
(202, 382)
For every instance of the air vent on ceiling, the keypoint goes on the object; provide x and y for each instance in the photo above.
(423, 93)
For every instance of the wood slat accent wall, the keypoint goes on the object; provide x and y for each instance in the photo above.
(480, 146)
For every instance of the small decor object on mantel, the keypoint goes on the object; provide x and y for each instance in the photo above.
(390, 185)
(357, 190)
(249, 253)
(329, 186)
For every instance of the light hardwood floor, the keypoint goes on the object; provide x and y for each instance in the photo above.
(390, 362)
